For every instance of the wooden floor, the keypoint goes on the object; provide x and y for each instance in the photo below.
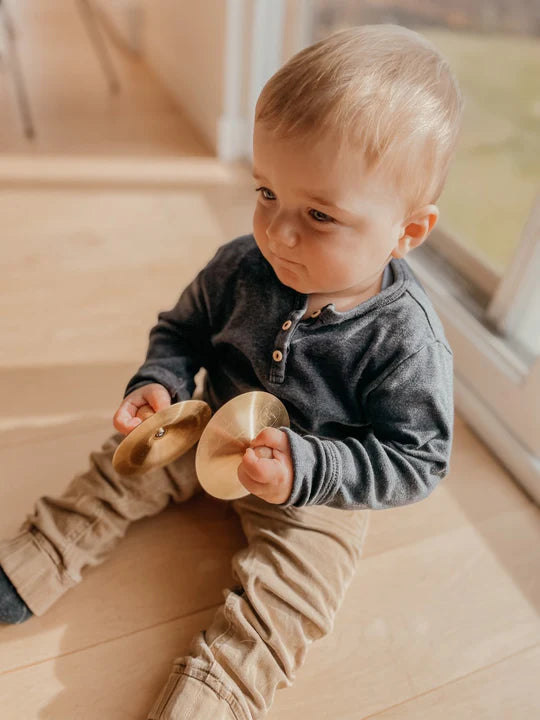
(442, 619)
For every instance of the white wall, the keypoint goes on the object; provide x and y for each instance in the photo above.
(184, 43)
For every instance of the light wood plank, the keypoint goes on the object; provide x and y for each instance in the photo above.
(101, 265)
(76, 396)
(508, 690)
(113, 680)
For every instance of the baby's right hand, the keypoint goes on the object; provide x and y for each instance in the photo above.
(139, 405)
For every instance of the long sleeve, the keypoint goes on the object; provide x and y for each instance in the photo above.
(179, 344)
(400, 456)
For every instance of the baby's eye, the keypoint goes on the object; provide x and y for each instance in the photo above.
(264, 190)
(321, 217)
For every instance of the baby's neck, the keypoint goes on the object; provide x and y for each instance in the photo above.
(342, 303)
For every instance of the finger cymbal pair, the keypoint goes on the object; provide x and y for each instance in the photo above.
(223, 438)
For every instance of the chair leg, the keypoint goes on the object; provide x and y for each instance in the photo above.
(18, 77)
(93, 28)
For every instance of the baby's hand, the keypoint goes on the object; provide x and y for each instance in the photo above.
(139, 405)
(268, 473)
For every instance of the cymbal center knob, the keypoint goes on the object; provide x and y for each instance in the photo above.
(160, 433)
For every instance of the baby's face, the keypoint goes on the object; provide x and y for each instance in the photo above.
(337, 244)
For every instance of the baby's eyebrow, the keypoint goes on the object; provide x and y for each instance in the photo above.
(324, 201)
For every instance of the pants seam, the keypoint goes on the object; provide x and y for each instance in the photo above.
(216, 685)
(43, 548)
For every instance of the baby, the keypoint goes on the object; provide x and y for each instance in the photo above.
(353, 138)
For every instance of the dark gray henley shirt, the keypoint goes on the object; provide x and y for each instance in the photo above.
(369, 391)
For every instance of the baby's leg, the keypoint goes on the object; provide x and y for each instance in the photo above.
(84, 524)
(292, 578)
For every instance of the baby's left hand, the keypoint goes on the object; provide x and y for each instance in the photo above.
(270, 478)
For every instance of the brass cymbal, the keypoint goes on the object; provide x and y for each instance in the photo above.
(228, 435)
(162, 437)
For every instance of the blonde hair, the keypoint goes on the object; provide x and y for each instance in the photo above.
(383, 88)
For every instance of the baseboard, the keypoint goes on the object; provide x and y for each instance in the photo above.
(20, 170)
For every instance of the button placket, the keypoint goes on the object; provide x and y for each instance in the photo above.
(282, 342)
(277, 371)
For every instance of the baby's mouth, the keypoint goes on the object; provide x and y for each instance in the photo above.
(285, 260)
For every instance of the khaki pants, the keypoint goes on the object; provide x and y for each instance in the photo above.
(292, 576)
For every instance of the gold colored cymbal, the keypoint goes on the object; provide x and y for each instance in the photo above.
(162, 437)
(228, 435)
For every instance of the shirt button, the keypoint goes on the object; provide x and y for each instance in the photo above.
(277, 355)
(286, 325)
(315, 313)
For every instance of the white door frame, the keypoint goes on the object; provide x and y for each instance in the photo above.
(260, 26)
(233, 123)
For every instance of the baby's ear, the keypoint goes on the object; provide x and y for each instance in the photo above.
(417, 228)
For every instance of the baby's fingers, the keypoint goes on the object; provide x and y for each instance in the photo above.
(269, 478)
(124, 419)
(157, 397)
(260, 464)
(273, 438)
(145, 411)
(261, 489)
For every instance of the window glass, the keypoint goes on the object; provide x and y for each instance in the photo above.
(494, 49)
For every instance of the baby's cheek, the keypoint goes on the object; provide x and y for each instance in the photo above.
(259, 222)
(328, 268)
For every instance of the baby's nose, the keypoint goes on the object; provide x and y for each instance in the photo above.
(282, 231)
(288, 239)
(283, 235)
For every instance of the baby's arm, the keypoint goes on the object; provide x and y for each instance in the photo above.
(403, 454)
(179, 346)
